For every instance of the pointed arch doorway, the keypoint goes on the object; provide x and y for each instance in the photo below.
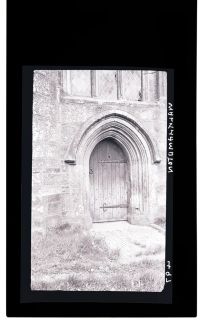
(142, 156)
(109, 182)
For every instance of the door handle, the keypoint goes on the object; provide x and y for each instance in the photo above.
(104, 209)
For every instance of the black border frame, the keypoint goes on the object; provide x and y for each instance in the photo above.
(26, 294)
(165, 39)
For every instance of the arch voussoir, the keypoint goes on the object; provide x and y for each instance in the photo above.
(103, 121)
(140, 150)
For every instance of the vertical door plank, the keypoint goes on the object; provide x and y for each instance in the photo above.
(108, 182)
(96, 195)
(100, 187)
(91, 177)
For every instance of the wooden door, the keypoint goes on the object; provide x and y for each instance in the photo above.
(108, 182)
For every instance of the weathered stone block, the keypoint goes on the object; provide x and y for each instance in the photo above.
(37, 179)
(52, 179)
(54, 204)
(52, 150)
(37, 165)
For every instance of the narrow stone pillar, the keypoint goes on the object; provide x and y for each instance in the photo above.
(94, 84)
(142, 88)
(119, 85)
(66, 80)
(162, 85)
(150, 86)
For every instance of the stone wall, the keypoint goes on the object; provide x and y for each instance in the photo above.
(62, 102)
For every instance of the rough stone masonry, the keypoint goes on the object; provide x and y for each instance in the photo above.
(69, 107)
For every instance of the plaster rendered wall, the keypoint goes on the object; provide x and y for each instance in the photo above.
(61, 104)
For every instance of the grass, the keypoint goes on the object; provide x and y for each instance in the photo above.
(152, 250)
(69, 258)
(160, 221)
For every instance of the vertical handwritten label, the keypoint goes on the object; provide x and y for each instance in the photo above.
(170, 137)
(168, 273)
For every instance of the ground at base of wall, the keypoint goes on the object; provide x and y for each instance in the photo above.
(113, 256)
(134, 242)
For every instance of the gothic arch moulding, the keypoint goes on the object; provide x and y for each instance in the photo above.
(140, 149)
(103, 121)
